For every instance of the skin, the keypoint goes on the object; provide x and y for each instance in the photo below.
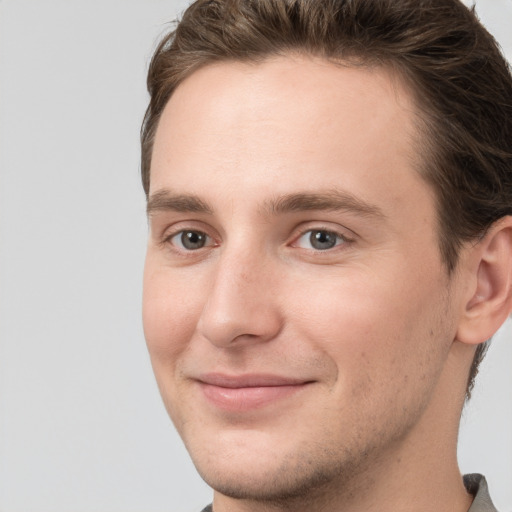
(367, 329)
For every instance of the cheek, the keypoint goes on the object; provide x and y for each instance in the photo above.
(377, 332)
(170, 311)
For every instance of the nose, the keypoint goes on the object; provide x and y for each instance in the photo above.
(242, 304)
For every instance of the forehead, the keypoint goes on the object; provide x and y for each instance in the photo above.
(297, 121)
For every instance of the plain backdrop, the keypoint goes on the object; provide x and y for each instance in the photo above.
(82, 428)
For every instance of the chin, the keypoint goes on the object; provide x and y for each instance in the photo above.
(253, 468)
(284, 483)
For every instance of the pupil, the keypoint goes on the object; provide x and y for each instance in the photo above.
(322, 240)
(193, 240)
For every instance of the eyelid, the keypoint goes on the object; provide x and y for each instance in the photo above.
(208, 240)
(338, 239)
(182, 227)
(344, 234)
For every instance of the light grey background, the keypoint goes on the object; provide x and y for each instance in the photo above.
(82, 428)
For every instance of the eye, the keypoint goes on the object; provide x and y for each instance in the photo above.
(190, 240)
(319, 240)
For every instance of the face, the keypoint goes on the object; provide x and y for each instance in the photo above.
(296, 308)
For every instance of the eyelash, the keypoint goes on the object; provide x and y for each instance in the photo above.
(181, 233)
(339, 239)
(321, 232)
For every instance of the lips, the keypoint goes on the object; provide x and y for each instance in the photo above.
(247, 392)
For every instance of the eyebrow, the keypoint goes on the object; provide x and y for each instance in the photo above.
(336, 201)
(164, 200)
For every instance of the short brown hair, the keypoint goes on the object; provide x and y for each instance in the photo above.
(461, 82)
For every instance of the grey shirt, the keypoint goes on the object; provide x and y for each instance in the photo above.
(475, 484)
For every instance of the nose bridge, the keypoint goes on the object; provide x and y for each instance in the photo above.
(241, 304)
(237, 278)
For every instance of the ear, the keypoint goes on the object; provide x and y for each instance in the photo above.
(488, 301)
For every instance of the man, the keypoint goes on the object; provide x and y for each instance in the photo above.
(329, 190)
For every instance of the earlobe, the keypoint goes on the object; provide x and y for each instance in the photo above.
(489, 300)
